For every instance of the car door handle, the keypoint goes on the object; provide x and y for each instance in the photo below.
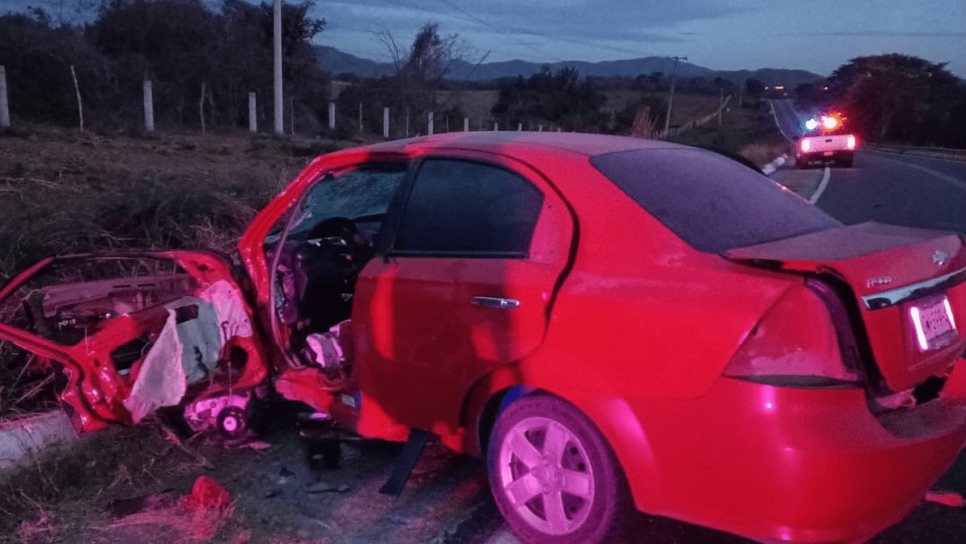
(496, 302)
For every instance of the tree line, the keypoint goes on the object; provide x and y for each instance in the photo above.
(202, 62)
(895, 98)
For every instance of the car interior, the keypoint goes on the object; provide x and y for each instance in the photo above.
(318, 252)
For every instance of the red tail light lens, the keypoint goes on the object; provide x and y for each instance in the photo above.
(795, 345)
(806, 145)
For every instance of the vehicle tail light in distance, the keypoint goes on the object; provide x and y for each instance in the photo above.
(851, 142)
(806, 145)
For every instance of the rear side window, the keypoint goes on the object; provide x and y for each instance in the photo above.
(467, 208)
(711, 202)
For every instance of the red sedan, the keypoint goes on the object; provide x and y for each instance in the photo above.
(614, 324)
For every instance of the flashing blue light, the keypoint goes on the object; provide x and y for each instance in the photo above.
(811, 124)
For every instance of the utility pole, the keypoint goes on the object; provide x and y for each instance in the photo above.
(670, 100)
(279, 113)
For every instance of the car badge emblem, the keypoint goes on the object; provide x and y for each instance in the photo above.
(940, 257)
(878, 282)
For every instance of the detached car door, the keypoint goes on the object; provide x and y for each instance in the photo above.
(466, 286)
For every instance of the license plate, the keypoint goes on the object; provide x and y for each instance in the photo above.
(934, 324)
(828, 153)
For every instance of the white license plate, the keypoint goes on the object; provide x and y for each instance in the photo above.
(934, 324)
(828, 153)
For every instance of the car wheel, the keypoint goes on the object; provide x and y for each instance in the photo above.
(847, 161)
(801, 163)
(553, 475)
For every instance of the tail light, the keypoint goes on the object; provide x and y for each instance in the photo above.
(795, 344)
(851, 142)
(806, 145)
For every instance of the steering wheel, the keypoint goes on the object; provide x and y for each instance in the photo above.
(336, 232)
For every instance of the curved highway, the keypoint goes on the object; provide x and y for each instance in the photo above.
(890, 188)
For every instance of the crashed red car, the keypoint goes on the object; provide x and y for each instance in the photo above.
(612, 323)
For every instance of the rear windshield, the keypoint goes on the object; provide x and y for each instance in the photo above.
(711, 202)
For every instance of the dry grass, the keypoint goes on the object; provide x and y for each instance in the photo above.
(65, 192)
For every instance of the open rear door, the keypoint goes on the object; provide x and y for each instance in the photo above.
(909, 286)
(133, 332)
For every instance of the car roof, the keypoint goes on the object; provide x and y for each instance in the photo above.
(517, 142)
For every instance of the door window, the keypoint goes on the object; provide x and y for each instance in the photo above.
(465, 208)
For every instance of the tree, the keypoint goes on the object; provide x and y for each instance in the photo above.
(560, 98)
(754, 87)
(897, 97)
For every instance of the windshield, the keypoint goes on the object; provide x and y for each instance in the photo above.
(711, 202)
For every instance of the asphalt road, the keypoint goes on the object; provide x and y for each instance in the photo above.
(890, 188)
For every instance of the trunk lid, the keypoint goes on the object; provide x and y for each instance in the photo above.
(909, 286)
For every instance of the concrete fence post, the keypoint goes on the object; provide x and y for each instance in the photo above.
(429, 124)
(148, 106)
(519, 127)
(496, 127)
(252, 113)
(331, 115)
(466, 124)
(539, 128)
(385, 123)
(4, 105)
(361, 130)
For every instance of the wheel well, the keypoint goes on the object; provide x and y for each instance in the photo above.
(494, 405)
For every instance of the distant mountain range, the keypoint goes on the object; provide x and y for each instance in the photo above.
(339, 62)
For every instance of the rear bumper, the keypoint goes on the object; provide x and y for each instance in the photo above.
(829, 155)
(797, 465)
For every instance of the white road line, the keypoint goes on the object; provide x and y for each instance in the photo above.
(771, 104)
(822, 185)
(959, 184)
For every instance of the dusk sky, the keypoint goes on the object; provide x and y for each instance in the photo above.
(816, 35)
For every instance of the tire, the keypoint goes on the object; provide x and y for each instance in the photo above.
(847, 160)
(599, 510)
(801, 163)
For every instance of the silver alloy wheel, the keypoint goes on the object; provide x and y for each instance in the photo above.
(545, 474)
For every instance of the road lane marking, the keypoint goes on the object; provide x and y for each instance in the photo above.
(822, 185)
(771, 104)
(959, 184)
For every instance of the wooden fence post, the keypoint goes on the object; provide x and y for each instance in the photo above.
(331, 115)
(429, 124)
(385, 123)
(466, 124)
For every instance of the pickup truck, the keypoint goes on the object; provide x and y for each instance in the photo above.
(825, 140)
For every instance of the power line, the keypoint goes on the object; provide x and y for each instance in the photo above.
(470, 19)
(586, 43)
